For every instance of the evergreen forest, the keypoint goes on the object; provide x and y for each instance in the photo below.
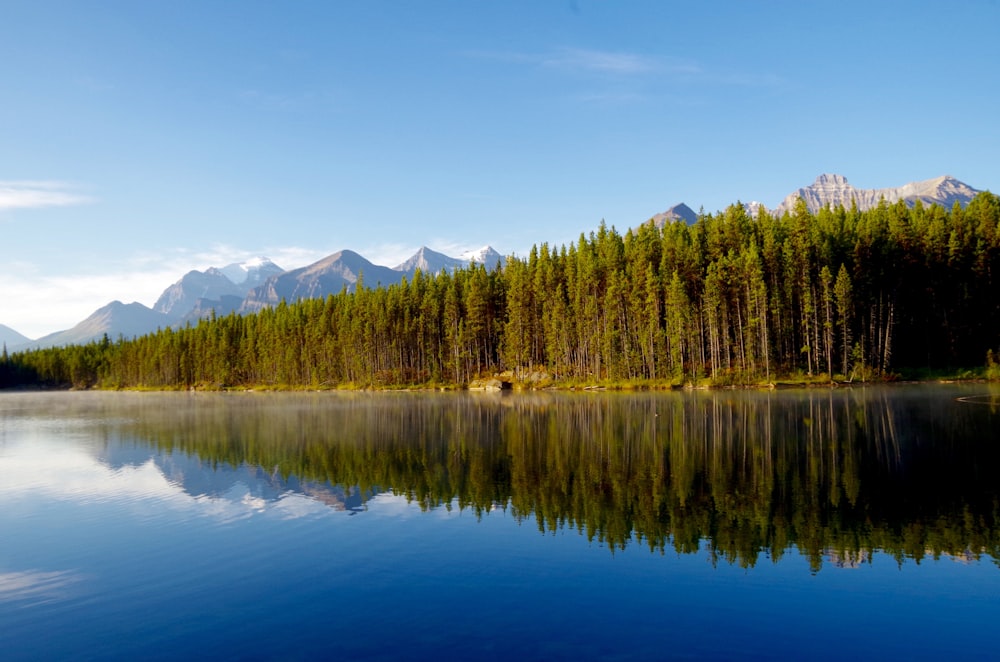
(733, 299)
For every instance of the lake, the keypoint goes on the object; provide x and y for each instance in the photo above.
(856, 522)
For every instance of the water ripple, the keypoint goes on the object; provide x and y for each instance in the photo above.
(36, 586)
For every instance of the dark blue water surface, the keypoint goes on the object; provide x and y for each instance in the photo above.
(807, 525)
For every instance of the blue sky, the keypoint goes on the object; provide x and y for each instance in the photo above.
(139, 140)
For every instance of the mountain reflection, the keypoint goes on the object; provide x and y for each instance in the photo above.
(243, 482)
(838, 473)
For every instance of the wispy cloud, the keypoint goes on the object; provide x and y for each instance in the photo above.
(595, 61)
(611, 98)
(273, 101)
(625, 65)
(748, 79)
(600, 61)
(36, 194)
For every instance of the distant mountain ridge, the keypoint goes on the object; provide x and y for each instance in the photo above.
(834, 190)
(115, 319)
(330, 275)
(344, 269)
(831, 190)
(430, 262)
(258, 283)
(199, 293)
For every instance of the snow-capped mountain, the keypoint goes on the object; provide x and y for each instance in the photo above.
(834, 190)
(251, 273)
(485, 256)
(199, 293)
(754, 208)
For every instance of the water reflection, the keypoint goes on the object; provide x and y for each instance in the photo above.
(912, 471)
(35, 586)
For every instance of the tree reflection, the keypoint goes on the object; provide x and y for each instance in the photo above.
(835, 473)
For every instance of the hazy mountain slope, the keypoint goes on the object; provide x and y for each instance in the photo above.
(251, 273)
(12, 338)
(181, 297)
(207, 307)
(114, 319)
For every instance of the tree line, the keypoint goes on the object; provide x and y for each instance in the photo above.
(731, 299)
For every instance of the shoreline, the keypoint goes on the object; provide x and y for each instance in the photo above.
(497, 385)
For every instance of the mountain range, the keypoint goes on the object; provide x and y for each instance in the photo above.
(243, 288)
(232, 282)
(250, 286)
(834, 190)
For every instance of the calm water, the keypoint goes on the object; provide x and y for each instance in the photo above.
(857, 522)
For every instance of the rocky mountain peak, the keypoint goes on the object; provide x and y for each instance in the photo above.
(486, 256)
(834, 190)
(429, 262)
(830, 179)
(679, 212)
